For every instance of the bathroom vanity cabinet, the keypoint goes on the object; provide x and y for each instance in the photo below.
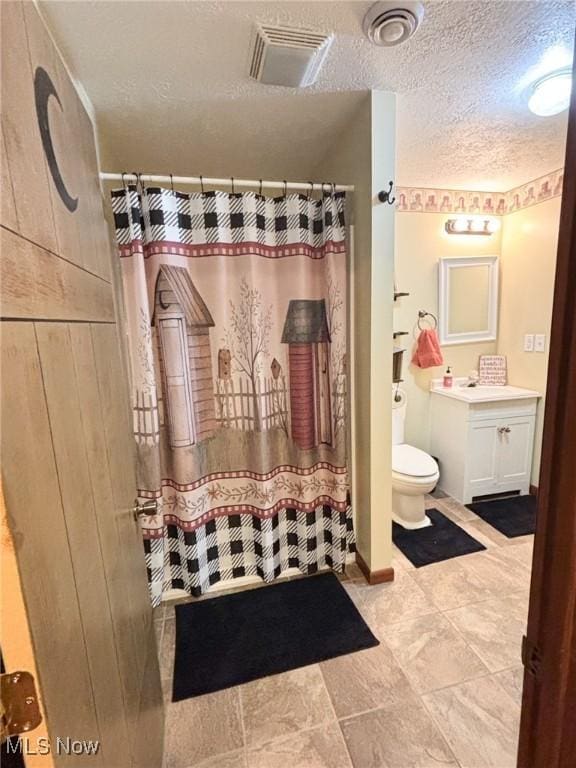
(483, 438)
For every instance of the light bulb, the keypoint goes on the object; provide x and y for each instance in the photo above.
(460, 225)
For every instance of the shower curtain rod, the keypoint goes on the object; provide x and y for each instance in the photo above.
(199, 180)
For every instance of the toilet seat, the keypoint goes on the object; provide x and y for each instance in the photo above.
(412, 462)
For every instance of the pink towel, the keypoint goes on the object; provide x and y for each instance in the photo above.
(427, 353)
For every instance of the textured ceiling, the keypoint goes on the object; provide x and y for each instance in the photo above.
(169, 85)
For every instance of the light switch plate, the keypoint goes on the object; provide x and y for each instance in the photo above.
(540, 342)
(529, 342)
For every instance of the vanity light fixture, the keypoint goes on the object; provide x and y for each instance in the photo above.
(473, 225)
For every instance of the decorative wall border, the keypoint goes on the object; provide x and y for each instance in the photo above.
(424, 200)
(536, 191)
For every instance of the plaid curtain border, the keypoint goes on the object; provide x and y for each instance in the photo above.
(154, 215)
(243, 545)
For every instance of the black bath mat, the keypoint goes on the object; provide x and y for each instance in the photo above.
(440, 541)
(236, 638)
(514, 516)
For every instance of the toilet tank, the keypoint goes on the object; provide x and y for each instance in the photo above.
(398, 415)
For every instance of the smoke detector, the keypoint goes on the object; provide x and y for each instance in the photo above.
(391, 23)
(287, 55)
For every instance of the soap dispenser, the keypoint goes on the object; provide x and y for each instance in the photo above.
(448, 378)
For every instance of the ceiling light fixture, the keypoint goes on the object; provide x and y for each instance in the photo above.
(551, 94)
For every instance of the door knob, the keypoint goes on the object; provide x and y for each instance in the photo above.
(149, 507)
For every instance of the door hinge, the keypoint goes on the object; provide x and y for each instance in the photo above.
(20, 711)
(531, 656)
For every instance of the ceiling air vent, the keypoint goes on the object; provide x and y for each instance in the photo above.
(287, 56)
(391, 23)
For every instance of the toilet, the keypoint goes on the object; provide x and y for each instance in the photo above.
(414, 472)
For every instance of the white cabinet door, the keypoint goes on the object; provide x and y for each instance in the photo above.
(516, 436)
(483, 458)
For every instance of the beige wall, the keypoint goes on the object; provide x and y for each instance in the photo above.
(420, 242)
(529, 242)
(364, 156)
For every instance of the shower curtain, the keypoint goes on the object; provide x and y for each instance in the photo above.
(236, 323)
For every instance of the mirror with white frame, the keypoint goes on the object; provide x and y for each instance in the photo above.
(468, 299)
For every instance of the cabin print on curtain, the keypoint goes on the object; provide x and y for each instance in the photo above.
(307, 334)
(236, 315)
(182, 322)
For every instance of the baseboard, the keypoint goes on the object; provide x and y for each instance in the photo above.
(533, 490)
(374, 577)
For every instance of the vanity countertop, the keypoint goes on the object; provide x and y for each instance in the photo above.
(481, 394)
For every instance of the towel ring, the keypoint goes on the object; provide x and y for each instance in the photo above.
(422, 314)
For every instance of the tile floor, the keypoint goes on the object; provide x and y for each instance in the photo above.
(443, 688)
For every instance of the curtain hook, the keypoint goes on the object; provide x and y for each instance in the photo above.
(202, 183)
(172, 182)
(260, 193)
(285, 187)
(311, 190)
(123, 180)
(232, 180)
(333, 188)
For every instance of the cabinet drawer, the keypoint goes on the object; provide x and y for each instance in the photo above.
(508, 409)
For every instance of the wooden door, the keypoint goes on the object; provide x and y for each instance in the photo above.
(67, 450)
(323, 408)
(173, 343)
(547, 728)
(302, 402)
